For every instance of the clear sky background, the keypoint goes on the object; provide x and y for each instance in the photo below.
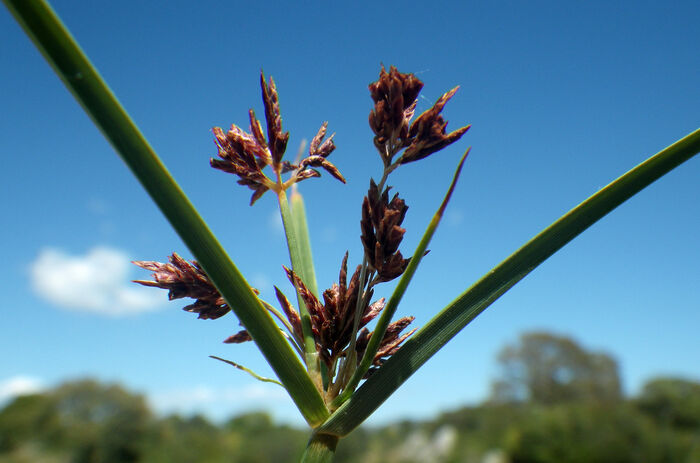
(563, 98)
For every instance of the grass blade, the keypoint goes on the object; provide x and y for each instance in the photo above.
(82, 79)
(445, 325)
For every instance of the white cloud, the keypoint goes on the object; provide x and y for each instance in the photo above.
(96, 282)
(17, 386)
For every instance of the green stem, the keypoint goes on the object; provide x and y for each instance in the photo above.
(295, 255)
(303, 239)
(247, 370)
(350, 364)
(320, 449)
(289, 334)
(82, 79)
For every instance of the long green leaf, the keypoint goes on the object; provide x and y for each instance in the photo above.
(82, 79)
(429, 339)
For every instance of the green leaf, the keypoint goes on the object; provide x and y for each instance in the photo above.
(446, 324)
(82, 79)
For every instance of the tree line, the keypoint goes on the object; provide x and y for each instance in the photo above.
(552, 401)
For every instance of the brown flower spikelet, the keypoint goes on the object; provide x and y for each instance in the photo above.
(242, 154)
(332, 321)
(382, 232)
(277, 139)
(238, 338)
(427, 133)
(395, 97)
(186, 279)
(246, 154)
(390, 344)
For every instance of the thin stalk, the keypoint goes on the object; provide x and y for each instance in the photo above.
(392, 305)
(295, 255)
(350, 363)
(59, 48)
(304, 239)
(301, 228)
(320, 449)
(289, 334)
(446, 324)
(247, 370)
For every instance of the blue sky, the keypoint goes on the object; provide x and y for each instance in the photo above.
(562, 98)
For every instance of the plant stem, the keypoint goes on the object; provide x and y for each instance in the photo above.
(303, 239)
(295, 255)
(247, 370)
(350, 363)
(320, 449)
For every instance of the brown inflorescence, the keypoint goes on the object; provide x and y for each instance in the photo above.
(332, 321)
(427, 133)
(390, 344)
(278, 139)
(319, 150)
(186, 279)
(246, 154)
(395, 96)
(344, 310)
(382, 232)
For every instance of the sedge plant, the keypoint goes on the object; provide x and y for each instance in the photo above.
(335, 369)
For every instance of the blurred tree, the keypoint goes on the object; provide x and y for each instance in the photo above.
(84, 421)
(27, 419)
(672, 401)
(103, 423)
(189, 440)
(262, 441)
(548, 369)
(589, 433)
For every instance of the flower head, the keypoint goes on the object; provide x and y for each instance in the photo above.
(427, 133)
(246, 154)
(186, 279)
(382, 232)
(395, 96)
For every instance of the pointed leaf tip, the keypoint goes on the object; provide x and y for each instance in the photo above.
(454, 182)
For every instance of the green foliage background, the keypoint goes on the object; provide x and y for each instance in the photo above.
(89, 422)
